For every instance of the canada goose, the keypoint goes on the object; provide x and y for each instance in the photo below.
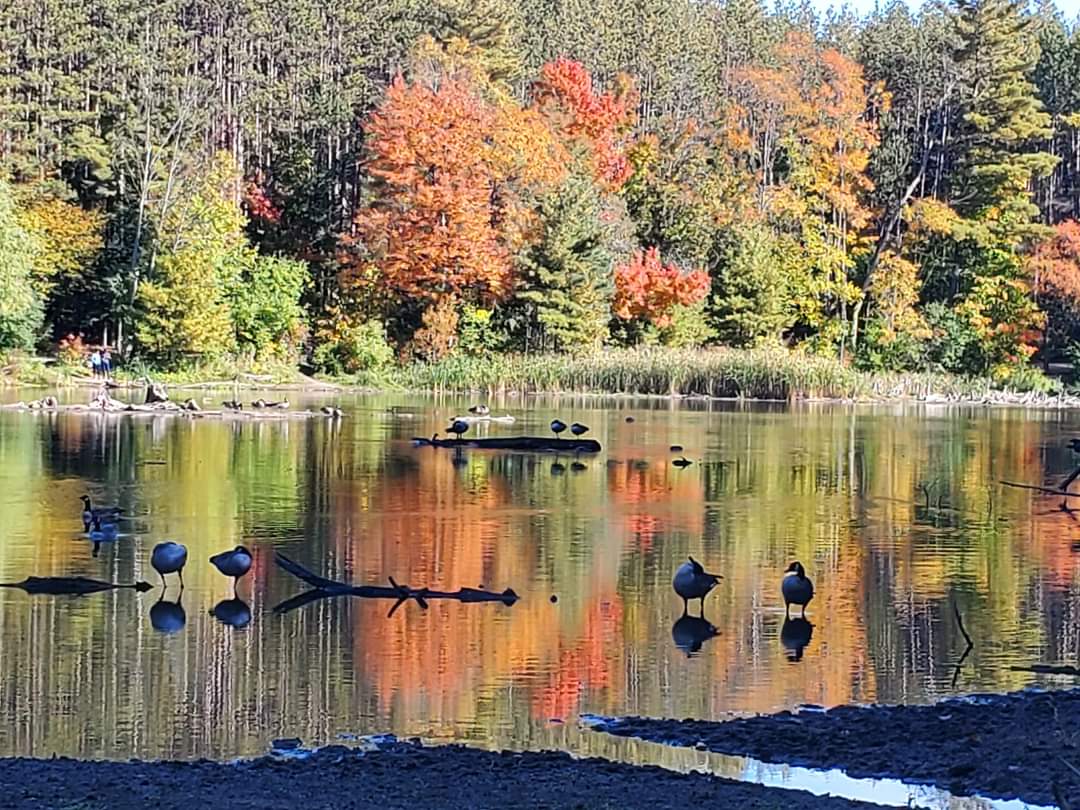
(91, 513)
(693, 582)
(682, 462)
(259, 403)
(167, 617)
(794, 636)
(579, 429)
(169, 558)
(480, 410)
(232, 405)
(557, 426)
(232, 612)
(331, 411)
(796, 588)
(690, 632)
(458, 427)
(233, 563)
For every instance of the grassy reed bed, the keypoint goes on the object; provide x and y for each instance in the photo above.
(751, 374)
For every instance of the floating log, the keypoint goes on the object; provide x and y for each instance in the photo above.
(71, 586)
(1047, 490)
(323, 588)
(1048, 669)
(534, 443)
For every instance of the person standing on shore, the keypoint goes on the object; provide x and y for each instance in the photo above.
(106, 363)
(95, 362)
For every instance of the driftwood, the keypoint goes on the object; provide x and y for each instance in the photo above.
(188, 409)
(967, 650)
(155, 393)
(1047, 490)
(472, 419)
(1048, 669)
(70, 586)
(323, 588)
(534, 443)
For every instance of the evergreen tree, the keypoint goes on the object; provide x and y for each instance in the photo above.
(566, 278)
(999, 116)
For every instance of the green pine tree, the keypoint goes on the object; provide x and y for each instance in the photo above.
(567, 281)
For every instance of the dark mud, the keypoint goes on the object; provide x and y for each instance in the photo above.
(396, 776)
(1018, 746)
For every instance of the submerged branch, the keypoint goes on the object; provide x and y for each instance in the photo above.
(323, 588)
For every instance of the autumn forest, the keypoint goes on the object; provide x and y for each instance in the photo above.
(348, 185)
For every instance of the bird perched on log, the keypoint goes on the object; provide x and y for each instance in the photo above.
(693, 582)
(92, 513)
(480, 410)
(458, 427)
(234, 563)
(579, 429)
(557, 427)
(169, 558)
(233, 405)
(796, 588)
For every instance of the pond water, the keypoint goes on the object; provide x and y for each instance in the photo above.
(841, 488)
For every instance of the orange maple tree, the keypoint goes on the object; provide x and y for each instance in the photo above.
(601, 122)
(647, 288)
(1055, 264)
(453, 172)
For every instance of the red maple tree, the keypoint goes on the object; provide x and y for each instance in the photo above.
(601, 122)
(647, 288)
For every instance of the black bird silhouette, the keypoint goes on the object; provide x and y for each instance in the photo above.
(557, 426)
(458, 427)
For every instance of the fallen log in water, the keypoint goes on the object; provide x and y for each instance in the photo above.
(323, 588)
(1047, 669)
(534, 443)
(115, 407)
(70, 586)
(1035, 488)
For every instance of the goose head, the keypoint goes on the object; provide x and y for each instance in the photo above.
(797, 569)
(702, 575)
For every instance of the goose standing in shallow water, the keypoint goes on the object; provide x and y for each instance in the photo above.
(458, 427)
(579, 429)
(557, 427)
(169, 558)
(796, 588)
(233, 563)
(92, 513)
(693, 582)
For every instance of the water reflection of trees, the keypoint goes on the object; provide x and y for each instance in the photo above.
(839, 489)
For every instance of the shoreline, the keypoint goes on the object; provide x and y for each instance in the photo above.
(386, 775)
(1021, 745)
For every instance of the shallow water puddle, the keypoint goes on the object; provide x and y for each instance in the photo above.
(832, 782)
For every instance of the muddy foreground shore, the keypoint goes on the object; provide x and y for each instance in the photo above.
(1022, 746)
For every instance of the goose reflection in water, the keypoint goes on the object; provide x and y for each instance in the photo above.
(232, 613)
(167, 617)
(795, 636)
(690, 632)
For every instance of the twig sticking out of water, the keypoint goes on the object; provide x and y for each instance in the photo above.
(967, 650)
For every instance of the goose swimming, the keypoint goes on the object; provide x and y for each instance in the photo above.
(796, 588)
(693, 582)
(169, 558)
(91, 513)
(233, 563)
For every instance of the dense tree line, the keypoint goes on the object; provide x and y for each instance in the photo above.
(343, 182)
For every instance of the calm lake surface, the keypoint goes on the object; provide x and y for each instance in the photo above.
(841, 488)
